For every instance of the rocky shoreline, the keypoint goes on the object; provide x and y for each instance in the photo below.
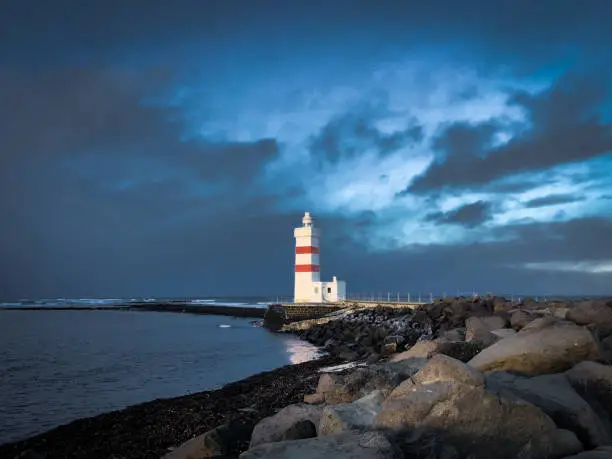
(458, 378)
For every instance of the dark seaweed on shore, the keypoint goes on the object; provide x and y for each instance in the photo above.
(147, 430)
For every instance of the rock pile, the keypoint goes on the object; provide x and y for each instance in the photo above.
(367, 332)
(459, 327)
(542, 392)
(477, 380)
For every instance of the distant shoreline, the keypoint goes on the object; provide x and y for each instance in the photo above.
(219, 310)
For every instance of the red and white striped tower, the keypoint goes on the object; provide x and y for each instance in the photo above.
(307, 270)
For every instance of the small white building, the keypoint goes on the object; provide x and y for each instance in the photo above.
(308, 285)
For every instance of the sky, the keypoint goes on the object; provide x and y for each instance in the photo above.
(155, 148)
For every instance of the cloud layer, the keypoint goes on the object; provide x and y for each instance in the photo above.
(148, 151)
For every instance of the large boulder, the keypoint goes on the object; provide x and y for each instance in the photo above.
(603, 452)
(596, 312)
(450, 399)
(477, 327)
(606, 346)
(452, 314)
(368, 445)
(520, 318)
(593, 381)
(444, 368)
(217, 442)
(286, 424)
(422, 349)
(455, 334)
(348, 417)
(502, 333)
(552, 444)
(539, 323)
(556, 397)
(361, 381)
(553, 348)
(426, 349)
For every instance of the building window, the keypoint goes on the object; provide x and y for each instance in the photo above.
(316, 289)
(328, 289)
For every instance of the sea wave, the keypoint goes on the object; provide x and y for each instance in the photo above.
(110, 302)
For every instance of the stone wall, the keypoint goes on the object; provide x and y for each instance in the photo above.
(281, 314)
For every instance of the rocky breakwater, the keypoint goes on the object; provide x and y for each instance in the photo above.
(458, 327)
(542, 391)
(372, 333)
(361, 333)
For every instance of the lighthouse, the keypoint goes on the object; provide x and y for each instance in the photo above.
(308, 285)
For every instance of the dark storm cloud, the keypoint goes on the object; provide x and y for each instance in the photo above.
(565, 127)
(470, 215)
(74, 110)
(547, 27)
(464, 139)
(350, 134)
(553, 199)
(97, 187)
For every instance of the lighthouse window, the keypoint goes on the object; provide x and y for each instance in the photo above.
(328, 289)
(316, 289)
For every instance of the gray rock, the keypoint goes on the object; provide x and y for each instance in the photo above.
(503, 333)
(597, 312)
(300, 430)
(394, 339)
(314, 399)
(444, 368)
(348, 417)
(556, 397)
(354, 385)
(422, 349)
(603, 452)
(425, 349)
(473, 419)
(368, 445)
(518, 319)
(539, 323)
(328, 382)
(593, 381)
(550, 349)
(388, 349)
(552, 444)
(477, 327)
(214, 443)
(456, 334)
(606, 345)
(274, 428)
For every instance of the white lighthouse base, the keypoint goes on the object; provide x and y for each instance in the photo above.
(323, 292)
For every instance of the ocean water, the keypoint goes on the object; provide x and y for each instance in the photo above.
(58, 366)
